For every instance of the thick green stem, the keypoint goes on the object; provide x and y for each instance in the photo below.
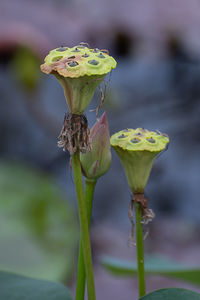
(83, 226)
(80, 284)
(140, 249)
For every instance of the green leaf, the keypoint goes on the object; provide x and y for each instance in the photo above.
(153, 265)
(38, 228)
(172, 294)
(15, 287)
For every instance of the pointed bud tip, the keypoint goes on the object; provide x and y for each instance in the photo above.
(102, 121)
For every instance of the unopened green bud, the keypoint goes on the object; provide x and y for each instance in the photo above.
(96, 162)
(79, 70)
(137, 150)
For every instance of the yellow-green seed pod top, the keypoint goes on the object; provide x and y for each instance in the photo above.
(79, 70)
(78, 61)
(137, 149)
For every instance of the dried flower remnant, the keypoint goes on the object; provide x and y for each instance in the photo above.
(74, 134)
(96, 162)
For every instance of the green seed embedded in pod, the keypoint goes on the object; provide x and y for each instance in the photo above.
(85, 55)
(72, 63)
(135, 140)
(76, 50)
(101, 55)
(93, 62)
(96, 50)
(151, 140)
(122, 136)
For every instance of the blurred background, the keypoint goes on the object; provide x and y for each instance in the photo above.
(156, 85)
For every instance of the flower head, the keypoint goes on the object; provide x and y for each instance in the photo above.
(96, 162)
(79, 70)
(137, 150)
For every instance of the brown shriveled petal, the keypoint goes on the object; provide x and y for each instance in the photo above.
(147, 214)
(74, 134)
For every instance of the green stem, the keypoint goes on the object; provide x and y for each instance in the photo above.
(140, 249)
(80, 284)
(83, 226)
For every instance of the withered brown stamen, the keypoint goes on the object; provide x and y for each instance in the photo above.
(74, 134)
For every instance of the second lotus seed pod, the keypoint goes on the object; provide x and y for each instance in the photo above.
(137, 150)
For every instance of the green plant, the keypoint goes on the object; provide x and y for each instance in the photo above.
(137, 150)
(80, 70)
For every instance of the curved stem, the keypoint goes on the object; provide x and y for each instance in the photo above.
(80, 284)
(140, 249)
(83, 226)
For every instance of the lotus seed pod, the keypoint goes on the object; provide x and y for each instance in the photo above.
(96, 162)
(79, 70)
(137, 150)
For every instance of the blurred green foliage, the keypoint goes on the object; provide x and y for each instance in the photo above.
(38, 228)
(15, 287)
(154, 265)
(172, 294)
(25, 65)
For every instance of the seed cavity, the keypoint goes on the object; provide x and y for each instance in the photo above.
(135, 140)
(151, 140)
(158, 132)
(84, 44)
(71, 57)
(57, 58)
(76, 50)
(96, 50)
(122, 136)
(61, 49)
(100, 55)
(93, 62)
(72, 63)
(85, 55)
(105, 51)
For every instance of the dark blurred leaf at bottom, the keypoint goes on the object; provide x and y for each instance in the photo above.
(15, 287)
(154, 265)
(172, 294)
